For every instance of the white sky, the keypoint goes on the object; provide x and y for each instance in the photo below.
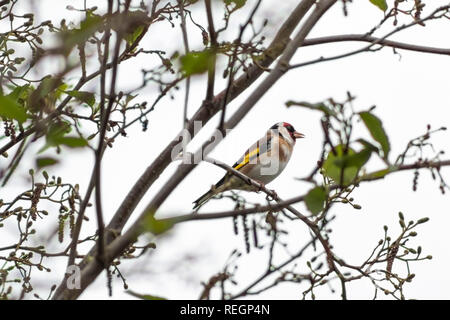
(410, 93)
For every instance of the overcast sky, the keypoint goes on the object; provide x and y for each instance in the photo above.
(410, 91)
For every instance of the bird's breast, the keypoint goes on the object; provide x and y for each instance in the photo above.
(271, 163)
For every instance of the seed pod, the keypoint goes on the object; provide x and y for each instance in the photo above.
(246, 233)
(235, 227)
(423, 220)
(61, 229)
(390, 258)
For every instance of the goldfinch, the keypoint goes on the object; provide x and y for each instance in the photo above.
(263, 161)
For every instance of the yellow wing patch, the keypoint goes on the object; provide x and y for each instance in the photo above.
(248, 156)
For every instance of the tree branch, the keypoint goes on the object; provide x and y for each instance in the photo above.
(281, 205)
(231, 65)
(375, 41)
(372, 39)
(213, 41)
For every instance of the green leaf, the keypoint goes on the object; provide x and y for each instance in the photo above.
(131, 37)
(57, 131)
(88, 27)
(333, 168)
(368, 145)
(43, 98)
(375, 127)
(238, 3)
(71, 142)
(376, 174)
(356, 160)
(56, 136)
(46, 86)
(92, 22)
(157, 227)
(144, 296)
(131, 23)
(315, 199)
(45, 161)
(346, 166)
(60, 90)
(10, 109)
(129, 97)
(380, 4)
(313, 106)
(83, 96)
(196, 62)
(20, 92)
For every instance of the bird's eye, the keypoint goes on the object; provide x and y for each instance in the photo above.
(288, 127)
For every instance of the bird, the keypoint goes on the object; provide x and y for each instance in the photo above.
(263, 162)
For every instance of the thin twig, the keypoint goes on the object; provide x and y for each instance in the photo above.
(372, 39)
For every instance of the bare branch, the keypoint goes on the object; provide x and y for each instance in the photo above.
(372, 39)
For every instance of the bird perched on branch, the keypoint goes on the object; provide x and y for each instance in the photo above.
(263, 161)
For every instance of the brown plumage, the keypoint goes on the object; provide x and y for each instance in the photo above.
(263, 161)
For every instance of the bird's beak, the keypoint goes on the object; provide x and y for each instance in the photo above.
(298, 135)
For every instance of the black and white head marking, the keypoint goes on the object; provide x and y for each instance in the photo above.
(285, 130)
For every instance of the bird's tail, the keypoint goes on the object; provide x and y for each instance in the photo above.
(204, 198)
(220, 186)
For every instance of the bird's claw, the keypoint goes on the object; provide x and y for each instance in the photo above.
(272, 196)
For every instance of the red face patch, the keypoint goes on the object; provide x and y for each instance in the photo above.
(290, 129)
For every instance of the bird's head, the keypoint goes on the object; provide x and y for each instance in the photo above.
(287, 131)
